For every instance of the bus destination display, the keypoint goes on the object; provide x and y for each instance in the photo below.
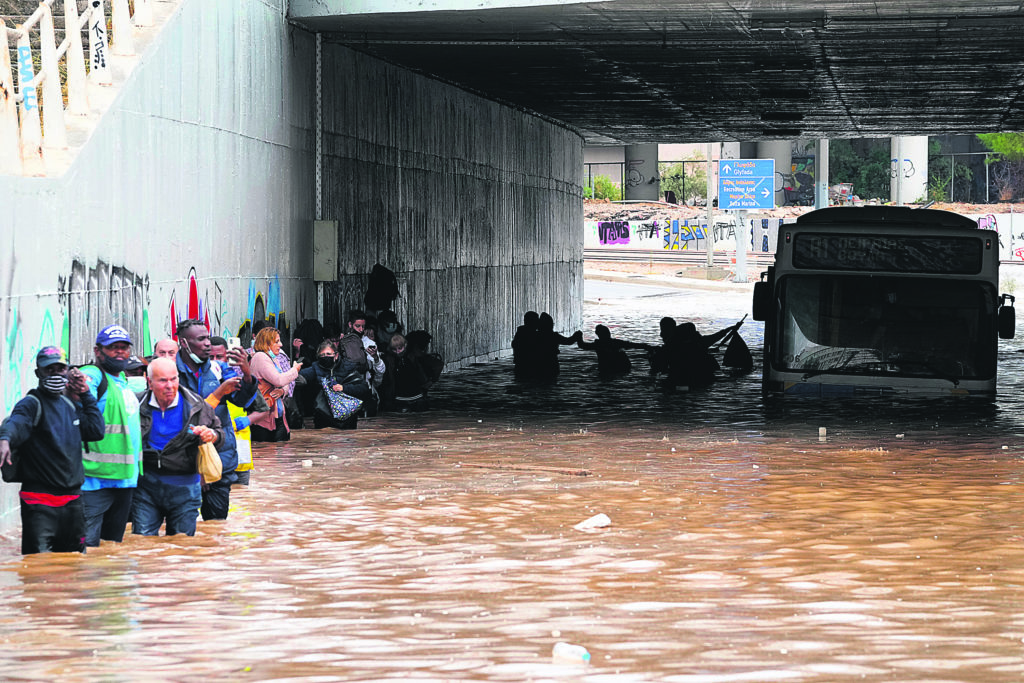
(906, 254)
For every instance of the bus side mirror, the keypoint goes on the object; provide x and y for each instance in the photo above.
(762, 305)
(1007, 317)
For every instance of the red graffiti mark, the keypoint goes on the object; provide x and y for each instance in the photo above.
(195, 310)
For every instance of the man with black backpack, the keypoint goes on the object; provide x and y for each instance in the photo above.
(42, 439)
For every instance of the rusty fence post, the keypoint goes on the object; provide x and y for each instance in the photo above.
(10, 156)
(55, 132)
(31, 132)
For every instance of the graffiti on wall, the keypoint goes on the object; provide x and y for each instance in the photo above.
(683, 236)
(613, 232)
(205, 301)
(95, 296)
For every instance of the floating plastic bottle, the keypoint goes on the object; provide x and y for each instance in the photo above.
(567, 653)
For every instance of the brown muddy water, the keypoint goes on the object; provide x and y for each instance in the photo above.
(433, 547)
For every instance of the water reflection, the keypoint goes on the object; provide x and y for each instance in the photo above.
(440, 546)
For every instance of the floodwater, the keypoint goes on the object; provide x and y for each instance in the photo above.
(743, 546)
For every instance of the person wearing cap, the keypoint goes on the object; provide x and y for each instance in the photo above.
(136, 374)
(112, 464)
(47, 428)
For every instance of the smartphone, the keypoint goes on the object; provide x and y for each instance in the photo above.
(233, 343)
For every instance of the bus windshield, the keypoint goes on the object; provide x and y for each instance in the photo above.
(885, 325)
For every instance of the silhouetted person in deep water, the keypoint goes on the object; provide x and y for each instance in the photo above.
(547, 360)
(659, 355)
(524, 345)
(611, 354)
(539, 353)
(689, 362)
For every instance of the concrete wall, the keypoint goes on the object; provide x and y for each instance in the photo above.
(475, 206)
(193, 198)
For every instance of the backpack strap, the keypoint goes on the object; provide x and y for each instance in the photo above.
(39, 409)
(102, 387)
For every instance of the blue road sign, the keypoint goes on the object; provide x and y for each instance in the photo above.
(746, 184)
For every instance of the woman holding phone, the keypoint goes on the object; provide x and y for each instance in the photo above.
(271, 426)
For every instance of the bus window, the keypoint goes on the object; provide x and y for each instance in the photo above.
(889, 325)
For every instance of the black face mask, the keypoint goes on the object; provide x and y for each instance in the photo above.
(326, 362)
(115, 366)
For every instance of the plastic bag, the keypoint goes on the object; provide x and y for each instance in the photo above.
(209, 464)
(737, 354)
(342, 405)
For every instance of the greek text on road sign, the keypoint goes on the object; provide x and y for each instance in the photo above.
(746, 184)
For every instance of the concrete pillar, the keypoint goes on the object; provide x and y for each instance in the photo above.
(640, 180)
(782, 152)
(909, 184)
(731, 150)
(821, 174)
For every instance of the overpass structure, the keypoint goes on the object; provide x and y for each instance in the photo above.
(253, 159)
(661, 71)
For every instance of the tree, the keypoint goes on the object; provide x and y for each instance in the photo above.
(1010, 146)
(687, 179)
(948, 179)
(1006, 172)
(603, 188)
(864, 163)
(672, 180)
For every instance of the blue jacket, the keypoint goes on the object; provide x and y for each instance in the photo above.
(210, 374)
(50, 454)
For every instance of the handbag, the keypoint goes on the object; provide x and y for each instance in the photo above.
(208, 463)
(342, 405)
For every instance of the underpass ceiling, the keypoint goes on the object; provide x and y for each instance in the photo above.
(636, 71)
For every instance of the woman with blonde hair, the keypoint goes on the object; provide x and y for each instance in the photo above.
(273, 425)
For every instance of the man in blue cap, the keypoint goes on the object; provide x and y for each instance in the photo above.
(112, 464)
(44, 433)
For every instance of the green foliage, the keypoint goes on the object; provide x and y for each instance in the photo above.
(673, 180)
(866, 164)
(688, 180)
(697, 182)
(1010, 146)
(603, 188)
(947, 182)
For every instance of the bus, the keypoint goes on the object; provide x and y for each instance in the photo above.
(882, 300)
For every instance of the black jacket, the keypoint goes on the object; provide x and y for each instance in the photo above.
(180, 454)
(50, 454)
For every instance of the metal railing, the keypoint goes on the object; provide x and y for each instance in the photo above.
(32, 117)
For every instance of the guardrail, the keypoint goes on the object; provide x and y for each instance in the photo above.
(32, 117)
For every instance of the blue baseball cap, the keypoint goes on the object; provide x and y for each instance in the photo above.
(111, 334)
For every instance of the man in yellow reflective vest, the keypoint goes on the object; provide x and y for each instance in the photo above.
(113, 464)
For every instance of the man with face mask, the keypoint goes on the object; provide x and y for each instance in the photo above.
(201, 375)
(113, 464)
(47, 428)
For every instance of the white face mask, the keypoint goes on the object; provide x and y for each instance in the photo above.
(137, 384)
(194, 357)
